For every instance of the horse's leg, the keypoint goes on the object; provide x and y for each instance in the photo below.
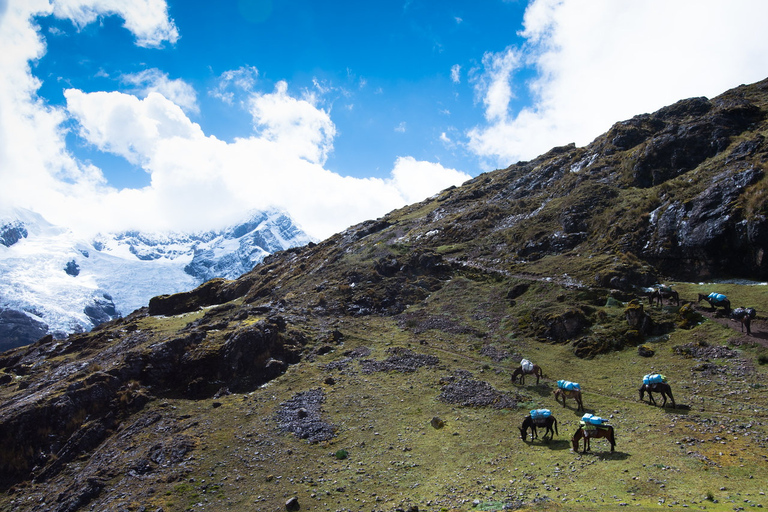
(664, 396)
(650, 398)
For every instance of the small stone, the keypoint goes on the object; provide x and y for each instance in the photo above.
(292, 504)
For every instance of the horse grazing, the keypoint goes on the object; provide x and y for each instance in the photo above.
(664, 293)
(714, 303)
(569, 393)
(520, 372)
(658, 387)
(605, 431)
(547, 422)
(745, 316)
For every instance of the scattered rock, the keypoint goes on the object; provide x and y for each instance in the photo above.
(645, 351)
(437, 423)
(292, 504)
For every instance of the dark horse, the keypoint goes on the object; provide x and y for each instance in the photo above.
(605, 431)
(658, 387)
(715, 303)
(664, 293)
(569, 393)
(519, 372)
(547, 422)
(745, 316)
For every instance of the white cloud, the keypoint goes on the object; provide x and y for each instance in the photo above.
(401, 128)
(127, 126)
(456, 73)
(197, 181)
(597, 62)
(147, 19)
(177, 90)
(236, 81)
(296, 124)
(416, 180)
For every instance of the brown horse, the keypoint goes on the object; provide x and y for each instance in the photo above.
(547, 422)
(664, 293)
(569, 393)
(658, 387)
(745, 316)
(713, 303)
(605, 431)
(519, 372)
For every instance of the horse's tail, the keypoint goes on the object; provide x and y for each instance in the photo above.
(613, 436)
(554, 422)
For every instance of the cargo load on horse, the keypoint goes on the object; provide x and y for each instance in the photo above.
(590, 420)
(539, 416)
(568, 389)
(527, 368)
(568, 385)
(654, 378)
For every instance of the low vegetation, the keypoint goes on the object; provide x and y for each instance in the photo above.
(372, 371)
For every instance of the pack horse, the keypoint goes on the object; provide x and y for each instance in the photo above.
(539, 418)
(527, 368)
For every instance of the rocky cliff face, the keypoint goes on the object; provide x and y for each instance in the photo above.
(535, 253)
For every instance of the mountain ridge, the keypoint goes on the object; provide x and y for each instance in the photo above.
(371, 370)
(56, 282)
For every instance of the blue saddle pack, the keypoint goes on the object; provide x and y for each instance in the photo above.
(566, 384)
(654, 378)
(591, 419)
(717, 297)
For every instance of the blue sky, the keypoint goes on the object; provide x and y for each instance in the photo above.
(387, 69)
(186, 114)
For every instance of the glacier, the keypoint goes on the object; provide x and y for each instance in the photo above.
(53, 282)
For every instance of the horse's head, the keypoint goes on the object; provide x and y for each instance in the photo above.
(575, 439)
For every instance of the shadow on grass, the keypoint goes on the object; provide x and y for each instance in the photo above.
(680, 409)
(543, 390)
(606, 455)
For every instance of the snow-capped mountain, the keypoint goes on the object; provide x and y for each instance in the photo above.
(53, 282)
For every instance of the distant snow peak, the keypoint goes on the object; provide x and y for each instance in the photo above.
(54, 282)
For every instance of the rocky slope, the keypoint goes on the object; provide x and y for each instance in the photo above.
(371, 371)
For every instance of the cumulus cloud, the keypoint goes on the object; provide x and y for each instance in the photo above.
(147, 19)
(176, 90)
(295, 124)
(595, 62)
(200, 182)
(416, 180)
(196, 180)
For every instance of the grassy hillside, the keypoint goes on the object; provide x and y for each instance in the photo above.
(371, 371)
